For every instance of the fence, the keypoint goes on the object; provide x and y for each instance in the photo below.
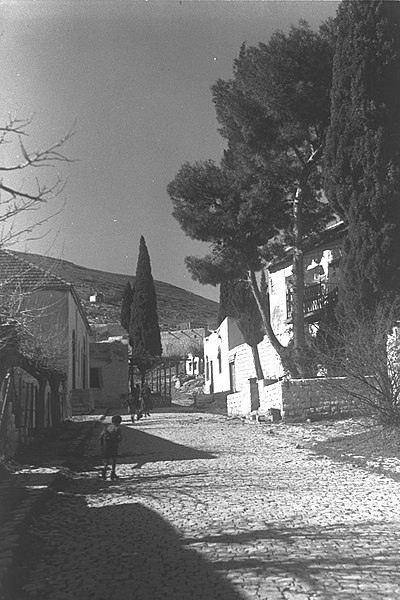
(160, 378)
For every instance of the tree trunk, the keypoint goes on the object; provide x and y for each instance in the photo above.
(55, 401)
(263, 306)
(257, 362)
(298, 282)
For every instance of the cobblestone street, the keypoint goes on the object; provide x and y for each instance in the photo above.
(209, 508)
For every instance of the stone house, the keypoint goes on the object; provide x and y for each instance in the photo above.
(220, 349)
(109, 372)
(229, 358)
(57, 329)
(322, 254)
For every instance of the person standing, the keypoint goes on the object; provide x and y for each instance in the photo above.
(110, 438)
(137, 403)
(147, 403)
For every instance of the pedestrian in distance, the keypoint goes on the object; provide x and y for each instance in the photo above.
(128, 403)
(137, 404)
(110, 438)
(147, 403)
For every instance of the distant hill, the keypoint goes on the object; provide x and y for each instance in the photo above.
(176, 307)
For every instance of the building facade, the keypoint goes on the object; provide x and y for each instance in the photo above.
(229, 363)
(53, 339)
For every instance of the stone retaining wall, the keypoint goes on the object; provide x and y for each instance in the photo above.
(243, 402)
(301, 399)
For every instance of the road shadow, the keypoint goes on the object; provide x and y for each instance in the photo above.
(139, 447)
(123, 551)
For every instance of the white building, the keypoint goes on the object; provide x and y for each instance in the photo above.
(229, 364)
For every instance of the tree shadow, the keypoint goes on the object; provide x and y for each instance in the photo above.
(335, 560)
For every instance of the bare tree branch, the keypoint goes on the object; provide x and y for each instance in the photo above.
(20, 196)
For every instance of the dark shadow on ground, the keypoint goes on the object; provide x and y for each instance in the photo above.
(123, 552)
(67, 444)
(36, 465)
(57, 444)
(126, 551)
(139, 447)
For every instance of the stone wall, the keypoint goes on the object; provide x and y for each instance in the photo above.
(301, 399)
(243, 402)
(244, 365)
(238, 404)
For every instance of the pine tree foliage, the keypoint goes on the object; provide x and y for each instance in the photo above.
(362, 162)
(223, 310)
(144, 331)
(127, 298)
(275, 112)
(275, 134)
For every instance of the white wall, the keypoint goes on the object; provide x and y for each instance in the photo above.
(317, 267)
(80, 365)
(216, 356)
(277, 296)
(111, 358)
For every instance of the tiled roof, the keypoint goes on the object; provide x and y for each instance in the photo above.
(16, 270)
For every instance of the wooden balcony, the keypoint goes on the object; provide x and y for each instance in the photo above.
(316, 296)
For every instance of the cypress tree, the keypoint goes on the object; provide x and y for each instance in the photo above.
(362, 159)
(127, 298)
(144, 331)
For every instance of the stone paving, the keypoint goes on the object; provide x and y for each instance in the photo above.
(210, 508)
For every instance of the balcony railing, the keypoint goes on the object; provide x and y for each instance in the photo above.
(316, 296)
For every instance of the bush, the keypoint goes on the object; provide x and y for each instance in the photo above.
(366, 350)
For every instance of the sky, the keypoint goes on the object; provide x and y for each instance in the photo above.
(132, 79)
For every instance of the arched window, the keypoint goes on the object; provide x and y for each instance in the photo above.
(73, 359)
(84, 364)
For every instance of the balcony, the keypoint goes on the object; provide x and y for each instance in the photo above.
(316, 296)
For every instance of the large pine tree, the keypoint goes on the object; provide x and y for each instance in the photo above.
(362, 159)
(268, 188)
(144, 331)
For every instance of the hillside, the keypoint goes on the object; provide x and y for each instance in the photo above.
(176, 306)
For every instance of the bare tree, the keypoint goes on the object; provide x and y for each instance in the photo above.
(361, 356)
(21, 190)
(31, 334)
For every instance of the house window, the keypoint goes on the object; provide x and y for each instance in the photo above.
(96, 380)
(219, 360)
(207, 369)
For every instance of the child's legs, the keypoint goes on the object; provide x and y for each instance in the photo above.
(104, 471)
(113, 464)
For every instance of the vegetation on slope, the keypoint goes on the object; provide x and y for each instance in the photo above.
(175, 305)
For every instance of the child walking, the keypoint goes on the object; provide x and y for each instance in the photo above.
(110, 437)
